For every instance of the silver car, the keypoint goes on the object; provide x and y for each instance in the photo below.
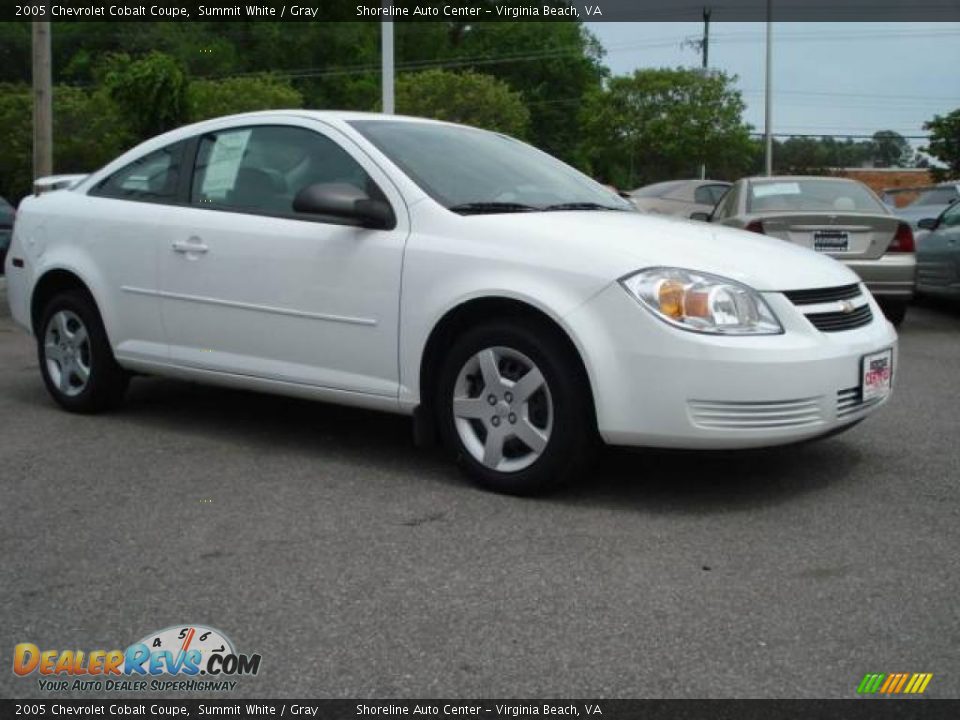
(840, 217)
(679, 197)
(938, 254)
(929, 203)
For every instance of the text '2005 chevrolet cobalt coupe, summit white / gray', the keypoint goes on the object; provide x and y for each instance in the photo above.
(512, 305)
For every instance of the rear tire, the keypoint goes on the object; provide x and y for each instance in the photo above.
(513, 407)
(895, 311)
(76, 362)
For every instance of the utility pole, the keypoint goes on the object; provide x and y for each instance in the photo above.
(705, 46)
(42, 100)
(768, 99)
(386, 62)
(706, 38)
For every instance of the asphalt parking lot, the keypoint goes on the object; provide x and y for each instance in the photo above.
(359, 566)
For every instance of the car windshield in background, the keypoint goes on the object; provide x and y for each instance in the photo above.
(474, 171)
(805, 195)
(937, 196)
(658, 189)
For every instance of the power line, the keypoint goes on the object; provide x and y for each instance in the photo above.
(835, 135)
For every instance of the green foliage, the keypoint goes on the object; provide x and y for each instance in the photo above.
(213, 98)
(88, 127)
(814, 156)
(151, 91)
(467, 97)
(553, 65)
(891, 149)
(16, 113)
(944, 144)
(662, 124)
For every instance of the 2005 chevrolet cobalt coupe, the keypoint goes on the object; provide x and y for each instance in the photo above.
(509, 303)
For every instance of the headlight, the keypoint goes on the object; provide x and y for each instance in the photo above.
(701, 302)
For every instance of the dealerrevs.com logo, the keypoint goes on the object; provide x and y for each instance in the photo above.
(180, 657)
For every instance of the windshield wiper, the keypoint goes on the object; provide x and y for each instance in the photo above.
(478, 208)
(580, 206)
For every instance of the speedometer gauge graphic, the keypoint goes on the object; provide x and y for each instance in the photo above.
(196, 643)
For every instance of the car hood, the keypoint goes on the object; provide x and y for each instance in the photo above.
(614, 244)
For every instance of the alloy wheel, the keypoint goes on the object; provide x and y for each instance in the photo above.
(502, 408)
(66, 351)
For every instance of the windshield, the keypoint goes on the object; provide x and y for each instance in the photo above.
(658, 189)
(937, 196)
(470, 170)
(806, 195)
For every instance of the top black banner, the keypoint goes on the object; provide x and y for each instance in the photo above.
(485, 10)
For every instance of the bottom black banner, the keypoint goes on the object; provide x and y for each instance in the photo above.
(872, 709)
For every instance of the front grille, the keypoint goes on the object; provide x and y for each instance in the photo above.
(716, 415)
(822, 295)
(850, 402)
(839, 321)
(839, 314)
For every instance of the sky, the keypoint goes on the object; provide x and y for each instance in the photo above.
(828, 78)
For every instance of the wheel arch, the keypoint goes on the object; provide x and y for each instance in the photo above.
(468, 314)
(53, 282)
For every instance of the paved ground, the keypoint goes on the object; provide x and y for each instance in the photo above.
(359, 566)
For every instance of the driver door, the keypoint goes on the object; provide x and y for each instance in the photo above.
(938, 255)
(251, 288)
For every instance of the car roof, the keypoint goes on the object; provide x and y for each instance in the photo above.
(660, 189)
(342, 115)
(790, 178)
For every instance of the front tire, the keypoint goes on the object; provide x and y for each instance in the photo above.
(513, 407)
(76, 361)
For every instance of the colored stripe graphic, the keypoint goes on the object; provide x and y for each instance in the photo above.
(891, 679)
(894, 683)
(918, 683)
(870, 683)
(903, 679)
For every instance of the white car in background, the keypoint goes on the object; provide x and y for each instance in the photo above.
(417, 267)
(679, 197)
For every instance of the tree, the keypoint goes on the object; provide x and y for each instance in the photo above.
(814, 156)
(553, 65)
(891, 149)
(89, 130)
(466, 97)
(213, 98)
(16, 160)
(151, 91)
(944, 144)
(662, 124)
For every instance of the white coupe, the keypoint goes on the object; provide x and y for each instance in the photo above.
(513, 306)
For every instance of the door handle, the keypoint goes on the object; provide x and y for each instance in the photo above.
(190, 247)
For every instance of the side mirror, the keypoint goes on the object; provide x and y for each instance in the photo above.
(701, 216)
(927, 224)
(342, 200)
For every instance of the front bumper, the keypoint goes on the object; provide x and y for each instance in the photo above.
(659, 386)
(893, 276)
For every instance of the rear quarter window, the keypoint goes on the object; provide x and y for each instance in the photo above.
(155, 177)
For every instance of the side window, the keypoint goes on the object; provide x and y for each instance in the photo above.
(261, 169)
(951, 216)
(709, 194)
(727, 204)
(152, 178)
(718, 192)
